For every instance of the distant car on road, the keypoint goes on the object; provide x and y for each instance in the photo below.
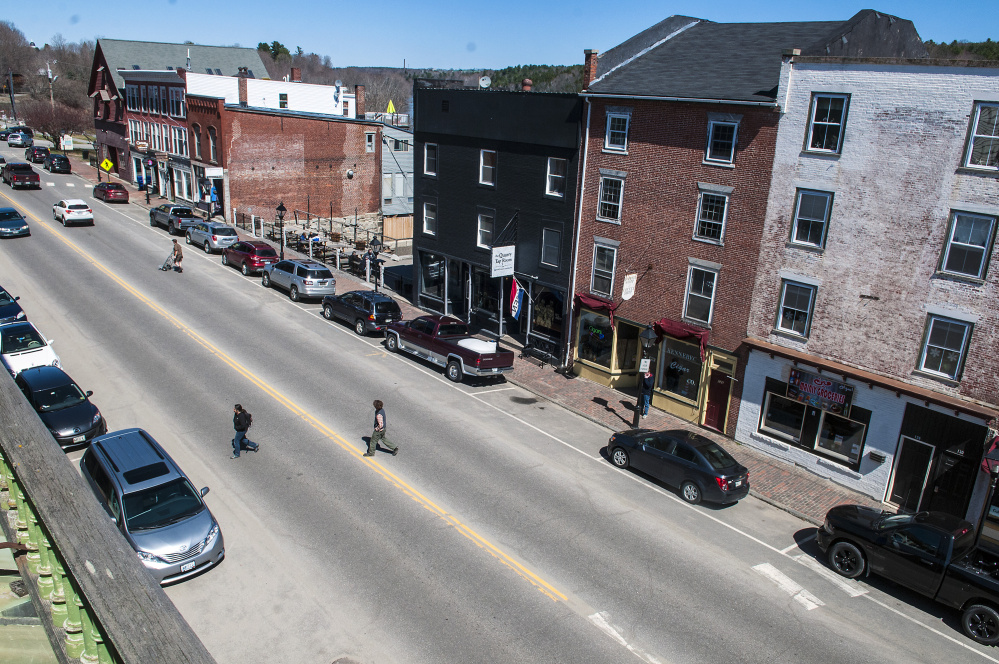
(73, 211)
(12, 224)
(367, 311)
(10, 310)
(22, 346)
(697, 465)
(448, 342)
(111, 191)
(250, 256)
(17, 129)
(19, 140)
(62, 406)
(301, 278)
(177, 219)
(36, 155)
(57, 163)
(211, 235)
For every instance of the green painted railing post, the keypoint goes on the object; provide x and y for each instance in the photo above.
(46, 585)
(89, 642)
(59, 612)
(74, 620)
(22, 511)
(4, 471)
(33, 556)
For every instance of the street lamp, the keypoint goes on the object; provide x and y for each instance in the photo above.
(647, 337)
(281, 209)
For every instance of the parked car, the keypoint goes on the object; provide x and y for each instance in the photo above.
(447, 342)
(12, 224)
(250, 256)
(111, 191)
(22, 346)
(154, 504)
(20, 175)
(36, 155)
(211, 235)
(18, 140)
(72, 211)
(301, 278)
(57, 163)
(932, 553)
(177, 219)
(16, 129)
(367, 311)
(10, 310)
(697, 465)
(62, 406)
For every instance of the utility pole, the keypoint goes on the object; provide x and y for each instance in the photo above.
(51, 81)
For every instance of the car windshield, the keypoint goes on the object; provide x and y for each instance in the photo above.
(717, 457)
(183, 212)
(896, 520)
(387, 308)
(58, 398)
(452, 330)
(161, 505)
(321, 273)
(266, 252)
(9, 215)
(5, 298)
(224, 231)
(17, 338)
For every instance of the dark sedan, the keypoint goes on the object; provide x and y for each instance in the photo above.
(36, 155)
(62, 406)
(367, 311)
(111, 191)
(57, 163)
(12, 224)
(250, 256)
(10, 310)
(699, 467)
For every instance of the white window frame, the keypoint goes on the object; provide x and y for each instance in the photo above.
(686, 295)
(154, 100)
(931, 319)
(986, 250)
(482, 168)
(700, 211)
(556, 178)
(177, 104)
(167, 138)
(558, 248)
(144, 98)
(600, 199)
(282, 100)
(776, 433)
(479, 230)
(609, 132)
(427, 149)
(597, 246)
(993, 152)
(812, 292)
(430, 229)
(369, 142)
(797, 217)
(711, 136)
(196, 130)
(809, 135)
(400, 145)
(213, 145)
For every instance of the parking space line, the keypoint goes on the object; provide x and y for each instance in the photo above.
(498, 389)
(797, 545)
(849, 586)
(790, 586)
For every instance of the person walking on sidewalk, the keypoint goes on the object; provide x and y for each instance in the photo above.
(241, 421)
(378, 435)
(646, 388)
(178, 256)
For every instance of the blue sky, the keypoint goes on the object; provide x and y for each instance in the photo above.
(454, 34)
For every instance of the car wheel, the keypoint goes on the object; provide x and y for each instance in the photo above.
(359, 327)
(170, 229)
(293, 294)
(690, 492)
(208, 247)
(327, 312)
(55, 217)
(225, 259)
(245, 270)
(392, 343)
(620, 458)
(188, 239)
(981, 623)
(63, 222)
(847, 559)
(265, 280)
(453, 371)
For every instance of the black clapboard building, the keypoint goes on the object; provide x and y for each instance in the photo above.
(496, 168)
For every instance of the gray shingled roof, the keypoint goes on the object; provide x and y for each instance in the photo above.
(157, 55)
(696, 59)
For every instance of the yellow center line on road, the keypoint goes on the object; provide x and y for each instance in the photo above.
(450, 519)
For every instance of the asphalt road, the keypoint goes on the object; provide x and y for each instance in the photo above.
(498, 534)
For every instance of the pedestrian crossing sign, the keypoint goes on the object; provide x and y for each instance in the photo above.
(107, 165)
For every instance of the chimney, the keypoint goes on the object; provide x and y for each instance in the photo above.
(526, 85)
(243, 71)
(296, 75)
(359, 102)
(589, 66)
(183, 74)
(243, 96)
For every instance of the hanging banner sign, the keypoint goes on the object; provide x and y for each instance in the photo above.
(516, 299)
(628, 290)
(820, 392)
(502, 264)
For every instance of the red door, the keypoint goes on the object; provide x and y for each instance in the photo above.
(717, 407)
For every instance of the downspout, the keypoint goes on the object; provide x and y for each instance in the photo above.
(579, 225)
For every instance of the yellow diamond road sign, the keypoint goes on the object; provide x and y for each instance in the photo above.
(107, 165)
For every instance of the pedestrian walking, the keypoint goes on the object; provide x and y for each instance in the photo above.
(241, 421)
(378, 435)
(178, 256)
(647, 384)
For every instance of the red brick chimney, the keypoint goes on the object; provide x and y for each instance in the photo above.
(296, 75)
(183, 75)
(243, 96)
(526, 85)
(359, 102)
(589, 66)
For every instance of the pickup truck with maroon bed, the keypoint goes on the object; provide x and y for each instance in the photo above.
(447, 342)
(19, 174)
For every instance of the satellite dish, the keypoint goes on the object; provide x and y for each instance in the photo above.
(485, 82)
(337, 83)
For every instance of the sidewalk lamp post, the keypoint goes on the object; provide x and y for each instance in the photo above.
(281, 209)
(647, 337)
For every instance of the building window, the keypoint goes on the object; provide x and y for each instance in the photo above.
(487, 167)
(551, 244)
(617, 132)
(700, 294)
(400, 146)
(602, 278)
(782, 416)
(485, 230)
(177, 103)
(611, 190)
(346, 108)
(811, 217)
(369, 142)
(968, 245)
(196, 129)
(827, 122)
(596, 339)
(432, 275)
(945, 346)
(430, 159)
(555, 182)
(796, 302)
(166, 138)
(180, 141)
(154, 100)
(282, 100)
(721, 142)
(213, 144)
(430, 218)
(711, 217)
(132, 97)
(144, 100)
(983, 148)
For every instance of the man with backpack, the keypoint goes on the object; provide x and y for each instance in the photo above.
(241, 421)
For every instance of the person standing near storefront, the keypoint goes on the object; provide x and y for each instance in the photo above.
(646, 389)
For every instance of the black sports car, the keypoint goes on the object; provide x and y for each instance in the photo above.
(60, 403)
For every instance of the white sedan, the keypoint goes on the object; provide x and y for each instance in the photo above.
(22, 346)
(73, 211)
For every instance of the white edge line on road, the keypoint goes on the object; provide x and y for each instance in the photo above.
(498, 389)
(796, 545)
(789, 586)
(600, 620)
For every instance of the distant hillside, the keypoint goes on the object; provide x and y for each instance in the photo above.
(962, 50)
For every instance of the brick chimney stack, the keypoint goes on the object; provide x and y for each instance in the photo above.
(182, 73)
(589, 66)
(241, 80)
(526, 85)
(359, 102)
(296, 75)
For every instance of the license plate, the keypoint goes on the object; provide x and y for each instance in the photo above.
(187, 567)
(79, 439)
(737, 483)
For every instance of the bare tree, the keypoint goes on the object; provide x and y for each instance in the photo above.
(55, 121)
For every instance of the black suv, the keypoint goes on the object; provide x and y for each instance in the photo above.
(366, 310)
(36, 155)
(57, 163)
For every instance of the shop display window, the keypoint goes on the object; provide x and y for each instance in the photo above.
(485, 295)
(596, 339)
(627, 347)
(547, 312)
(841, 437)
(783, 416)
(681, 369)
(432, 283)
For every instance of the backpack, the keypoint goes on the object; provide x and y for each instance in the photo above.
(249, 418)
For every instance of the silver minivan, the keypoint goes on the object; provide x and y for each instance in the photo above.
(212, 236)
(301, 278)
(154, 504)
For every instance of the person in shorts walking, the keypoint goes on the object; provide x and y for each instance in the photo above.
(241, 421)
(378, 435)
(178, 256)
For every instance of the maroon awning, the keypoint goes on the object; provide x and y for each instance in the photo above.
(680, 330)
(597, 304)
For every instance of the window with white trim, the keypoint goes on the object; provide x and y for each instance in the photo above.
(721, 142)
(983, 146)
(179, 140)
(811, 218)
(399, 145)
(166, 138)
(154, 100)
(602, 277)
(551, 245)
(700, 300)
(132, 97)
(430, 217)
(616, 137)
(430, 159)
(969, 244)
(143, 99)
(555, 180)
(796, 303)
(196, 130)
(826, 122)
(945, 346)
(369, 142)
(611, 193)
(484, 233)
(213, 145)
(487, 167)
(711, 212)
(282, 100)
(177, 108)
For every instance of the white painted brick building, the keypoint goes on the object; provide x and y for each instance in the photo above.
(875, 315)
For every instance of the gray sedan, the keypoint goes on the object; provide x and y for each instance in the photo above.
(212, 235)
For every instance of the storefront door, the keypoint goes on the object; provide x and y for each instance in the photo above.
(716, 410)
(912, 469)
(950, 484)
